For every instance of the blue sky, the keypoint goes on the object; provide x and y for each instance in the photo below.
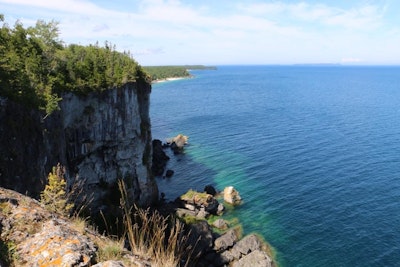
(211, 32)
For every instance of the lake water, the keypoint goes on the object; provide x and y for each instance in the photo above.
(314, 152)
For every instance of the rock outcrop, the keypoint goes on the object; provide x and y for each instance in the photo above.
(223, 247)
(30, 235)
(159, 159)
(100, 138)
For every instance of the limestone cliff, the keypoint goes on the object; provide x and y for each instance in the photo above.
(100, 137)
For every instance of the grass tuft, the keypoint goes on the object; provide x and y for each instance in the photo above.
(162, 240)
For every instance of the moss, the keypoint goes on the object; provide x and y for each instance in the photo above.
(188, 219)
(194, 196)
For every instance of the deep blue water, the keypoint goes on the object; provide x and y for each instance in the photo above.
(314, 152)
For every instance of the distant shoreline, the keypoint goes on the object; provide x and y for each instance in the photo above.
(170, 79)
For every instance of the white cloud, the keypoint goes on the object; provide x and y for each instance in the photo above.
(70, 6)
(364, 16)
(264, 32)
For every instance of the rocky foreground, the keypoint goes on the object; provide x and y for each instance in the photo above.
(219, 244)
(30, 235)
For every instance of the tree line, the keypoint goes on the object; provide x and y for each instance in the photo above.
(36, 67)
(163, 72)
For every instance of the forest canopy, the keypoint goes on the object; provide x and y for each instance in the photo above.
(36, 67)
(163, 72)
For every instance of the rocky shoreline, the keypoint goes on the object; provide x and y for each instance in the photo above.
(217, 242)
(31, 235)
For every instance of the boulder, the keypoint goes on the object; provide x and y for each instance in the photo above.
(202, 214)
(209, 189)
(177, 143)
(57, 244)
(248, 244)
(225, 241)
(184, 212)
(201, 238)
(40, 237)
(224, 258)
(201, 200)
(180, 140)
(231, 196)
(220, 224)
(220, 209)
(256, 258)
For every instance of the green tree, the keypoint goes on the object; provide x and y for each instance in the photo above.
(54, 196)
(36, 69)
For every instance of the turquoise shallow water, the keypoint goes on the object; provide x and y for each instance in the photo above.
(314, 152)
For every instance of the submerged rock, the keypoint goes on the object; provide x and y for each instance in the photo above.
(169, 173)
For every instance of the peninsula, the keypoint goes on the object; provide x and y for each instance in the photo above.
(164, 73)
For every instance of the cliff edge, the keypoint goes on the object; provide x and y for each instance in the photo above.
(99, 137)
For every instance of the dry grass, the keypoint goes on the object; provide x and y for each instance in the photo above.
(162, 240)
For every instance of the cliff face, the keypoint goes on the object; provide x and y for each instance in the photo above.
(100, 138)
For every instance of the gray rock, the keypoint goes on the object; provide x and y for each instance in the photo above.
(184, 212)
(220, 224)
(57, 242)
(224, 258)
(202, 214)
(40, 237)
(256, 258)
(248, 244)
(220, 209)
(236, 253)
(225, 241)
(201, 237)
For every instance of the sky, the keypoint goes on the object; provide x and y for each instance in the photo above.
(226, 32)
